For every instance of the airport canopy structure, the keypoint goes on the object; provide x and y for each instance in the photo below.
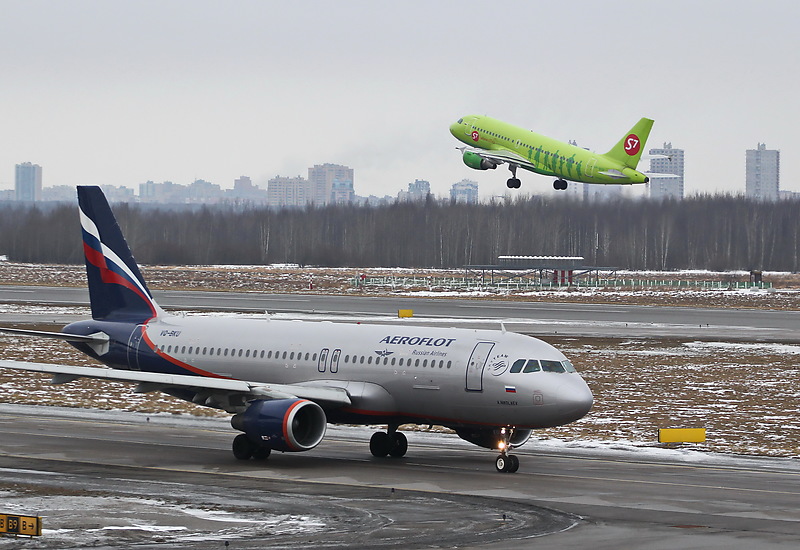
(557, 270)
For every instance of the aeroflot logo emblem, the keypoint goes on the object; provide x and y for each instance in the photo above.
(632, 144)
(418, 341)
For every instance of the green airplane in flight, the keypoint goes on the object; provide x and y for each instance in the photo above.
(491, 142)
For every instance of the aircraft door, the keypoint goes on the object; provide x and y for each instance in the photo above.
(323, 359)
(468, 125)
(133, 347)
(589, 170)
(476, 364)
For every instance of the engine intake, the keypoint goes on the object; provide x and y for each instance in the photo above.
(491, 438)
(474, 160)
(283, 424)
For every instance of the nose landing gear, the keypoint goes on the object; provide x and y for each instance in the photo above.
(505, 462)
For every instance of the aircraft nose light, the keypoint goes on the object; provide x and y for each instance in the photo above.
(575, 400)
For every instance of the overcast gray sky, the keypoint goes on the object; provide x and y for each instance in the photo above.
(122, 92)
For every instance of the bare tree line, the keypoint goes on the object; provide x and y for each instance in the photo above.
(704, 232)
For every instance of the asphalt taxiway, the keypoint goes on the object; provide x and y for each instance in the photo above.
(535, 318)
(444, 493)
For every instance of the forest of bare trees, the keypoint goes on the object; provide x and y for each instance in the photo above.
(704, 232)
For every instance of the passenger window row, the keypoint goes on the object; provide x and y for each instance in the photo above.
(543, 365)
(282, 355)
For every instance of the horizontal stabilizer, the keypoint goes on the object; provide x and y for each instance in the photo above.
(93, 338)
(612, 173)
(657, 175)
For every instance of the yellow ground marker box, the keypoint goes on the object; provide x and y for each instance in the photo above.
(405, 312)
(681, 435)
(20, 525)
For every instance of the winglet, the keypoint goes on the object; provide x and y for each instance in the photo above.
(629, 149)
(116, 287)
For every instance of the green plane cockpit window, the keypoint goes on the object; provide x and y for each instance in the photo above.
(460, 120)
(517, 366)
(531, 366)
(552, 366)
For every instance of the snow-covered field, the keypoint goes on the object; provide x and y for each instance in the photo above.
(289, 278)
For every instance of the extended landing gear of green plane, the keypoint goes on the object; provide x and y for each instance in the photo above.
(513, 182)
(390, 442)
(560, 184)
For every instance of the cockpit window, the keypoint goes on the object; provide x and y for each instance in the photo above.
(517, 366)
(460, 120)
(552, 366)
(532, 366)
(568, 366)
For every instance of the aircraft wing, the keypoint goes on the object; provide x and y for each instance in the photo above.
(152, 381)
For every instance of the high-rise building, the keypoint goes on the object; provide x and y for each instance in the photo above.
(465, 191)
(324, 178)
(762, 181)
(417, 191)
(282, 191)
(28, 182)
(670, 161)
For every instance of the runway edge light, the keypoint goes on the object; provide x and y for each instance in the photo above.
(681, 435)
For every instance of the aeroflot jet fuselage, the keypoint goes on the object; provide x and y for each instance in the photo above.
(284, 380)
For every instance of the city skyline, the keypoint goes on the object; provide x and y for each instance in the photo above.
(203, 89)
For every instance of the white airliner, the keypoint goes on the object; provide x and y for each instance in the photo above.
(285, 380)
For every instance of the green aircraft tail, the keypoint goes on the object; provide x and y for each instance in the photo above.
(630, 148)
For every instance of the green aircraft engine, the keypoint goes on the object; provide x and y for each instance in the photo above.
(474, 160)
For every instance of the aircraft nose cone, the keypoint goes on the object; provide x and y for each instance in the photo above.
(454, 128)
(574, 400)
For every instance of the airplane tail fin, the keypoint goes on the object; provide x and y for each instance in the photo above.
(117, 290)
(630, 148)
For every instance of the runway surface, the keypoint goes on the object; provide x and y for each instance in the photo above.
(535, 318)
(444, 493)
(137, 480)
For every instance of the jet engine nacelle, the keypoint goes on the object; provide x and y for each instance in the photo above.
(283, 424)
(491, 438)
(474, 160)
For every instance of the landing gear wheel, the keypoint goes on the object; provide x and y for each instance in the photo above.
(243, 448)
(507, 463)
(560, 184)
(261, 453)
(400, 445)
(514, 183)
(380, 444)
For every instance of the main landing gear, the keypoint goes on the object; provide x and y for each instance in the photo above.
(244, 449)
(505, 462)
(560, 185)
(390, 442)
(513, 182)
